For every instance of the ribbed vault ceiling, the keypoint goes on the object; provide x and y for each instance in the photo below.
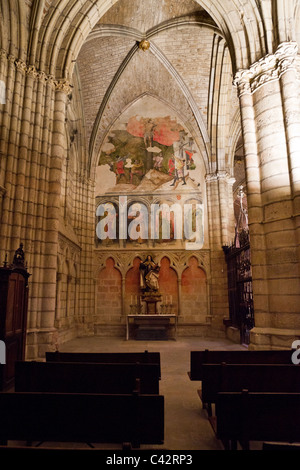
(184, 42)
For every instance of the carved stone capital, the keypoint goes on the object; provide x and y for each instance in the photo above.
(31, 71)
(21, 66)
(287, 50)
(63, 85)
(219, 176)
(51, 81)
(3, 54)
(267, 69)
(11, 59)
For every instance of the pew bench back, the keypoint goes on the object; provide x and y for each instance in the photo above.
(258, 416)
(254, 377)
(144, 357)
(85, 418)
(198, 358)
(72, 377)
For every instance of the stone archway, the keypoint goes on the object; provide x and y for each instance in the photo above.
(108, 296)
(194, 301)
(168, 284)
(132, 285)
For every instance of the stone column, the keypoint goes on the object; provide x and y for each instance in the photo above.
(179, 295)
(290, 90)
(3, 114)
(7, 75)
(36, 195)
(15, 90)
(123, 313)
(270, 130)
(218, 225)
(24, 162)
(254, 197)
(225, 183)
(57, 306)
(53, 206)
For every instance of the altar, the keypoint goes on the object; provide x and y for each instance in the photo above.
(152, 326)
(144, 319)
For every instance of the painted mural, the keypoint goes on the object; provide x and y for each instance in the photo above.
(147, 152)
(147, 149)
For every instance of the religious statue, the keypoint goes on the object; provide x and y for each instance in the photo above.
(149, 272)
(19, 257)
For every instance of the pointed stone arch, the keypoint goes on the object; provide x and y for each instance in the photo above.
(108, 295)
(67, 25)
(168, 284)
(194, 293)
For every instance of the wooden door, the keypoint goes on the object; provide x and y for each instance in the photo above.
(15, 323)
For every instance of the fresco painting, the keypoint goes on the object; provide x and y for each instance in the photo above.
(149, 144)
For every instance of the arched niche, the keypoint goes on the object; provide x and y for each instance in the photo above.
(168, 283)
(109, 294)
(194, 301)
(132, 285)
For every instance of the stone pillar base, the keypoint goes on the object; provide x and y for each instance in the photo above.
(38, 342)
(272, 338)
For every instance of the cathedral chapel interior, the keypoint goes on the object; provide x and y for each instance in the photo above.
(150, 164)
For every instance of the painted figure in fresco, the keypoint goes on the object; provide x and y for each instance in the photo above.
(182, 157)
(171, 165)
(149, 132)
(179, 171)
(158, 161)
(120, 171)
(149, 273)
(137, 169)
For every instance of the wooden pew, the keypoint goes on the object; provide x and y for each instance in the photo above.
(86, 418)
(257, 416)
(198, 358)
(254, 377)
(73, 377)
(145, 357)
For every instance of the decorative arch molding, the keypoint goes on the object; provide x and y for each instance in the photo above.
(13, 31)
(179, 261)
(235, 132)
(105, 100)
(67, 24)
(58, 35)
(100, 263)
(182, 86)
(103, 30)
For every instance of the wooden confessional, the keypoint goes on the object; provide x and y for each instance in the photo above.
(13, 315)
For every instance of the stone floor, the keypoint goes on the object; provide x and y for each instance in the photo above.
(186, 423)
